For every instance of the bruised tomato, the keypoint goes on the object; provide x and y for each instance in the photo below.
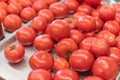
(3, 14)
(92, 78)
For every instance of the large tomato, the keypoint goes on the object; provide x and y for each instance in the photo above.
(82, 57)
(41, 59)
(92, 78)
(14, 53)
(39, 74)
(93, 2)
(12, 22)
(66, 74)
(3, 14)
(25, 35)
(105, 67)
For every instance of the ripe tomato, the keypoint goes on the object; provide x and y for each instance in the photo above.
(47, 14)
(65, 47)
(59, 29)
(14, 53)
(61, 63)
(93, 2)
(82, 57)
(39, 24)
(117, 17)
(39, 5)
(95, 13)
(41, 59)
(106, 65)
(112, 26)
(12, 1)
(39, 74)
(27, 14)
(92, 78)
(3, 14)
(3, 5)
(25, 35)
(25, 3)
(59, 9)
(86, 23)
(99, 47)
(49, 2)
(77, 36)
(72, 5)
(89, 34)
(12, 22)
(118, 42)
(14, 8)
(66, 74)
(41, 40)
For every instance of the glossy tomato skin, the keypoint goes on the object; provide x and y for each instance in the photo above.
(82, 57)
(39, 74)
(41, 40)
(25, 3)
(3, 14)
(65, 47)
(66, 73)
(41, 59)
(106, 65)
(92, 78)
(59, 9)
(93, 2)
(14, 53)
(25, 35)
(12, 22)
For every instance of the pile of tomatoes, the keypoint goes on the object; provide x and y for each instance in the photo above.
(83, 34)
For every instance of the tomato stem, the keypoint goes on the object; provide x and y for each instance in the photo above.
(68, 54)
(70, 21)
(12, 47)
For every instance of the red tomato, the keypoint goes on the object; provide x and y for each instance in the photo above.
(66, 74)
(117, 17)
(47, 14)
(72, 5)
(118, 41)
(39, 74)
(106, 65)
(12, 22)
(41, 40)
(59, 9)
(95, 13)
(86, 23)
(49, 2)
(89, 34)
(59, 29)
(41, 59)
(14, 8)
(3, 14)
(82, 57)
(12, 1)
(39, 5)
(14, 53)
(65, 47)
(3, 5)
(77, 36)
(27, 14)
(99, 47)
(92, 78)
(61, 63)
(25, 35)
(25, 3)
(85, 8)
(112, 26)
(39, 24)
(106, 13)
(108, 36)
(93, 2)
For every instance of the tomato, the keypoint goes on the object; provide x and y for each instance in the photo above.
(27, 14)
(117, 17)
(49, 2)
(93, 2)
(114, 52)
(100, 47)
(89, 34)
(112, 26)
(3, 5)
(86, 23)
(72, 5)
(61, 63)
(85, 8)
(25, 35)
(3, 14)
(14, 8)
(106, 65)
(47, 14)
(95, 13)
(106, 13)
(39, 5)
(77, 36)
(12, 1)
(118, 41)
(59, 9)
(41, 59)
(12, 22)
(14, 53)
(25, 3)
(108, 36)
(65, 47)
(82, 57)
(39, 24)
(39, 74)
(92, 78)
(66, 74)
(41, 40)
(59, 29)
